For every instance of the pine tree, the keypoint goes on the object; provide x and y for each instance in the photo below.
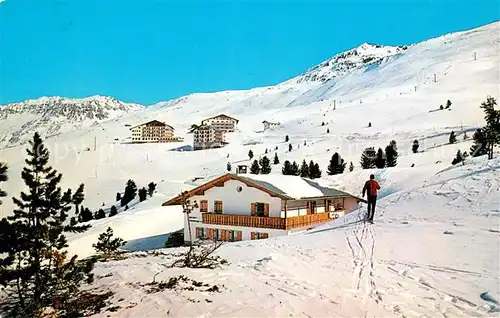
(34, 265)
(86, 215)
(351, 167)
(255, 168)
(130, 192)
(118, 196)
(369, 124)
(453, 138)
(314, 170)
(73, 221)
(458, 158)
(305, 143)
(107, 244)
(448, 104)
(368, 158)
(465, 135)
(100, 214)
(151, 188)
(276, 159)
(322, 123)
(287, 138)
(380, 160)
(276, 148)
(441, 107)
(391, 154)
(328, 130)
(3, 178)
(265, 151)
(265, 165)
(287, 168)
(113, 211)
(78, 199)
(143, 194)
(228, 167)
(304, 169)
(492, 128)
(250, 154)
(337, 165)
(480, 146)
(290, 147)
(295, 169)
(415, 146)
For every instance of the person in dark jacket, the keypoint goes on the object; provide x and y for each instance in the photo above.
(371, 187)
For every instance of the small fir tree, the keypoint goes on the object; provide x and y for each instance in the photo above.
(328, 130)
(368, 158)
(453, 138)
(276, 159)
(107, 244)
(255, 168)
(287, 138)
(228, 167)
(33, 259)
(287, 168)
(351, 167)
(290, 147)
(143, 194)
(465, 135)
(113, 211)
(130, 192)
(380, 160)
(86, 214)
(369, 124)
(492, 128)
(295, 169)
(100, 214)
(265, 165)
(304, 169)
(337, 165)
(415, 146)
(322, 123)
(151, 188)
(73, 221)
(391, 154)
(265, 151)
(441, 107)
(448, 104)
(458, 158)
(250, 154)
(314, 170)
(480, 146)
(305, 143)
(3, 178)
(118, 196)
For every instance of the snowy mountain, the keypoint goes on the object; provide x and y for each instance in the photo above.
(54, 115)
(362, 57)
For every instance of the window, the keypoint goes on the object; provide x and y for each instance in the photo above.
(258, 235)
(201, 233)
(260, 209)
(218, 206)
(203, 206)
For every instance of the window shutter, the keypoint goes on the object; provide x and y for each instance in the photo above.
(308, 205)
(239, 238)
(252, 235)
(210, 234)
(253, 209)
(266, 209)
(266, 235)
(198, 232)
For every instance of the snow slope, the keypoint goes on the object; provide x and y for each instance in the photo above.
(403, 265)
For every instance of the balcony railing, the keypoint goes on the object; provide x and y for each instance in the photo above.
(266, 222)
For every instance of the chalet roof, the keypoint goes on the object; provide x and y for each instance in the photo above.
(159, 123)
(220, 115)
(284, 187)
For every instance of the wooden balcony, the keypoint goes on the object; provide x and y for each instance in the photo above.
(266, 222)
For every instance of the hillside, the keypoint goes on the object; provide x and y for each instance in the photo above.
(432, 250)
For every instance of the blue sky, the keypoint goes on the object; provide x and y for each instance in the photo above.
(147, 51)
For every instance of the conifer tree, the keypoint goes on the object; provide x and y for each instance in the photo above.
(380, 160)
(228, 167)
(250, 154)
(391, 154)
(480, 146)
(265, 151)
(315, 172)
(100, 214)
(453, 138)
(458, 158)
(287, 138)
(492, 128)
(86, 215)
(107, 244)
(265, 165)
(465, 135)
(305, 143)
(143, 194)
(448, 103)
(328, 130)
(304, 169)
(337, 165)
(276, 159)
(311, 169)
(113, 211)
(255, 168)
(287, 168)
(415, 146)
(130, 192)
(368, 158)
(290, 147)
(3, 178)
(295, 169)
(118, 196)
(33, 261)
(78, 199)
(351, 167)
(151, 188)
(441, 107)
(322, 123)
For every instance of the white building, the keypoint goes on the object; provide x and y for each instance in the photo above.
(153, 131)
(206, 137)
(246, 207)
(270, 125)
(221, 122)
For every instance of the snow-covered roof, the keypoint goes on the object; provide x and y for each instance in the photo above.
(282, 186)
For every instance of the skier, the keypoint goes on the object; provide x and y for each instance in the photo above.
(371, 187)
